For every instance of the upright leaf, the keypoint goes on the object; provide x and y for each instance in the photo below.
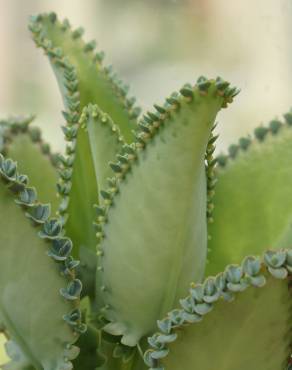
(39, 294)
(154, 237)
(253, 204)
(82, 80)
(97, 83)
(105, 141)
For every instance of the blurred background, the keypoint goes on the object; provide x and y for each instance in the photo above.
(157, 46)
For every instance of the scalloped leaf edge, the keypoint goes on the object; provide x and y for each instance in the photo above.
(260, 134)
(51, 230)
(200, 301)
(14, 126)
(149, 126)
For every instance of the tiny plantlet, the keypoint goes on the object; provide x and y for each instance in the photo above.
(152, 254)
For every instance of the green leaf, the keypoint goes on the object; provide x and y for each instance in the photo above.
(105, 142)
(24, 144)
(82, 80)
(96, 83)
(253, 206)
(31, 306)
(155, 239)
(252, 331)
(11, 125)
(36, 164)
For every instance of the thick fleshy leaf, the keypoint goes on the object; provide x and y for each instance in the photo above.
(163, 197)
(253, 204)
(37, 166)
(251, 332)
(25, 145)
(97, 84)
(31, 306)
(82, 80)
(105, 142)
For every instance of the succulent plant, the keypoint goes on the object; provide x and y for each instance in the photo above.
(136, 269)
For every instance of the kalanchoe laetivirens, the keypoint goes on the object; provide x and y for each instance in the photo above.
(155, 254)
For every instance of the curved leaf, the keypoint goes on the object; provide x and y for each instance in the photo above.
(253, 204)
(31, 306)
(97, 85)
(105, 141)
(163, 197)
(82, 80)
(24, 144)
(250, 331)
